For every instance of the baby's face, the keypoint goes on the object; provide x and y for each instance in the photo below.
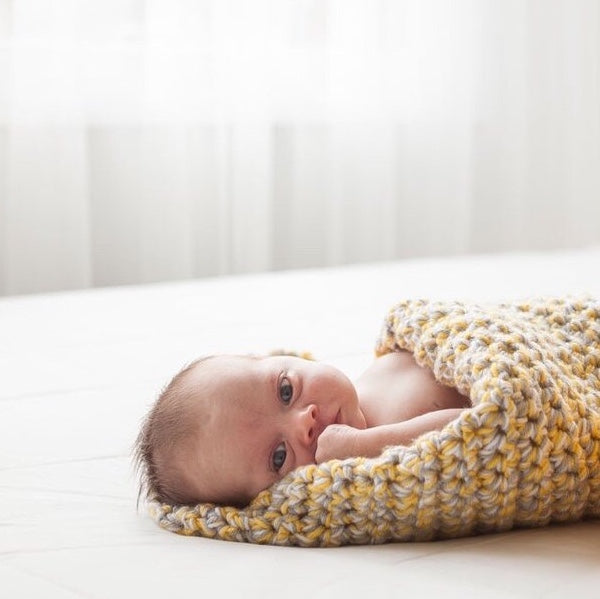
(260, 419)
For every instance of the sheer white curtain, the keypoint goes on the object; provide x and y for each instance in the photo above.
(148, 140)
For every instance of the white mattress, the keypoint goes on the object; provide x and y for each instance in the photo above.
(79, 369)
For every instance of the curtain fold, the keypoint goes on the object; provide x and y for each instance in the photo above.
(152, 140)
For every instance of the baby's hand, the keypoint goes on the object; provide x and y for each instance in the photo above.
(337, 441)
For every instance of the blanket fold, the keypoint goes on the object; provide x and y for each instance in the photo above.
(527, 453)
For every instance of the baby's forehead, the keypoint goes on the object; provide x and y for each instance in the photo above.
(211, 376)
(225, 364)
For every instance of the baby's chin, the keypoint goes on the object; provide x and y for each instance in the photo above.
(361, 421)
(356, 419)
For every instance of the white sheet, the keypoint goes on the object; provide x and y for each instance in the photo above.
(78, 371)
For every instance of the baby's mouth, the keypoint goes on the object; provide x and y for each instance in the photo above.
(338, 418)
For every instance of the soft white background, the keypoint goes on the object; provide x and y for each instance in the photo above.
(157, 140)
(149, 140)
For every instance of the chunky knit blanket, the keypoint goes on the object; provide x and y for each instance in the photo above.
(527, 453)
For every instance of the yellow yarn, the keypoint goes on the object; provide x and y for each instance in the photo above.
(528, 453)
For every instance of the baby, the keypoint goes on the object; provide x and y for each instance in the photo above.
(227, 427)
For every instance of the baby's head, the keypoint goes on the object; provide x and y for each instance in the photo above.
(227, 427)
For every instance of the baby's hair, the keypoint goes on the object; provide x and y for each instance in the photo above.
(165, 426)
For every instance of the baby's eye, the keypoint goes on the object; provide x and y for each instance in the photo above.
(286, 391)
(279, 455)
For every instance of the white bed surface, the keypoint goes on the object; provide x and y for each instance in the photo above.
(80, 369)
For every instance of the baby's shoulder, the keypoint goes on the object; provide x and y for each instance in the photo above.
(393, 364)
(396, 388)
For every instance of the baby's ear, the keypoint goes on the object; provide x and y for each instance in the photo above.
(306, 355)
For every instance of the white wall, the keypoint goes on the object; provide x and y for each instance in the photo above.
(155, 140)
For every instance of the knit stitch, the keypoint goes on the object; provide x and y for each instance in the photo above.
(526, 454)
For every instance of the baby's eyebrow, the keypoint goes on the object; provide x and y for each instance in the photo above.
(274, 380)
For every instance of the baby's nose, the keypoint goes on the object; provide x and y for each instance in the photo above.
(308, 424)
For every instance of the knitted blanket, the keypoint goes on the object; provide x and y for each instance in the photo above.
(527, 453)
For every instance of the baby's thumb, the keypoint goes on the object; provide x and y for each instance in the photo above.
(337, 441)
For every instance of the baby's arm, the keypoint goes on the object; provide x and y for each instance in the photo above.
(340, 441)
